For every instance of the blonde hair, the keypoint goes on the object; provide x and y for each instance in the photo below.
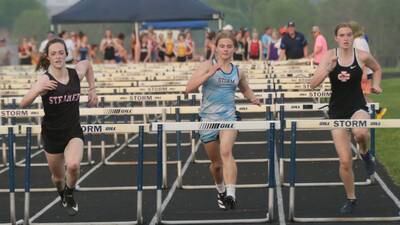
(358, 31)
(225, 34)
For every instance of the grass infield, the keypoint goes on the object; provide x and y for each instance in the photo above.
(387, 146)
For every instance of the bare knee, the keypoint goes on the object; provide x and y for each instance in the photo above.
(73, 167)
(361, 136)
(346, 164)
(226, 154)
(57, 179)
(216, 166)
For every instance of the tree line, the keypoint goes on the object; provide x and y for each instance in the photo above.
(379, 18)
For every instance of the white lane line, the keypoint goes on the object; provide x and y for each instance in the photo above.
(279, 195)
(82, 178)
(175, 185)
(22, 161)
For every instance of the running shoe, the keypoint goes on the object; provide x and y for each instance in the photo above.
(348, 206)
(369, 163)
(230, 202)
(69, 202)
(221, 200)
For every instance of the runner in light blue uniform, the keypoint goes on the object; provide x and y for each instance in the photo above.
(220, 79)
(218, 102)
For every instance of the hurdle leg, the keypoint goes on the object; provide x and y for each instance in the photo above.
(103, 150)
(4, 153)
(11, 174)
(27, 175)
(164, 151)
(89, 151)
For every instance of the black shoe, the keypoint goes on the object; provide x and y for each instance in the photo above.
(61, 194)
(69, 201)
(348, 206)
(221, 200)
(230, 202)
(369, 163)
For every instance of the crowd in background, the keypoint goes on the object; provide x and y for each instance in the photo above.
(168, 46)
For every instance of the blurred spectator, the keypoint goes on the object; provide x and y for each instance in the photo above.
(273, 49)
(161, 47)
(145, 48)
(293, 44)
(255, 47)
(35, 53)
(190, 50)
(209, 45)
(246, 41)
(361, 43)
(320, 45)
(50, 35)
(266, 40)
(121, 55)
(228, 27)
(83, 48)
(238, 55)
(93, 54)
(180, 48)
(71, 58)
(107, 47)
(169, 47)
(5, 53)
(133, 45)
(25, 52)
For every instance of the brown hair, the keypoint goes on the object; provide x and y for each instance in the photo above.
(341, 25)
(44, 63)
(225, 34)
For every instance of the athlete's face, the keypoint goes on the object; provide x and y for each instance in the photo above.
(344, 37)
(225, 48)
(57, 55)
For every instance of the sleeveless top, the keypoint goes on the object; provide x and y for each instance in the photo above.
(345, 81)
(254, 48)
(169, 46)
(83, 52)
(218, 102)
(181, 49)
(61, 106)
(109, 50)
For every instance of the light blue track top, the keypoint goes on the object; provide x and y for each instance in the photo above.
(218, 101)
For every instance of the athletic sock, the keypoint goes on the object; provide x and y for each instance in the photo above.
(230, 190)
(220, 187)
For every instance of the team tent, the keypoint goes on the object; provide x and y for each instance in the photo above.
(136, 11)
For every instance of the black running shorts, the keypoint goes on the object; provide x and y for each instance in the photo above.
(55, 141)
(345, 115)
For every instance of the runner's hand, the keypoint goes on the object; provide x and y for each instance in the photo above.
(92, 98)
(45, 84)
(255, 101)
(376, 89)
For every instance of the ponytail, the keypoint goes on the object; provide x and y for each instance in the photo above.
(43, 63)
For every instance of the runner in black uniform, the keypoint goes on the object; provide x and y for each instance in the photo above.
(61, 130)
(343, 66)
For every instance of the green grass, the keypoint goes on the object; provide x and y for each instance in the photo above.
(387, 140)
(391, 69)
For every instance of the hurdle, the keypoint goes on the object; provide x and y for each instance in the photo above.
(9, 130)
(287, 107)
(100, 111)
(86, 112)
(330, 124)
(106, 128)
(268, 126)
